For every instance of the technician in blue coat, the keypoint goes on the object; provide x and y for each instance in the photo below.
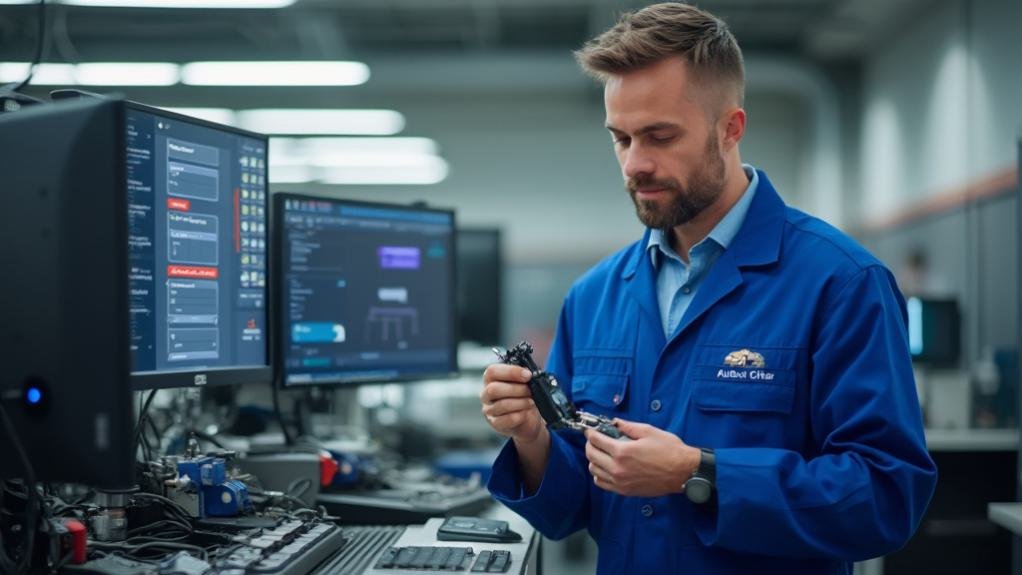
(756, 356)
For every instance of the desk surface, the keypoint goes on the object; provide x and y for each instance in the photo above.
(1007, 515)
(972, 439)
(523, 554)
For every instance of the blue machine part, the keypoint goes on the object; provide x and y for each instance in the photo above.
(218, 496)
(352, 468)
(229, 499)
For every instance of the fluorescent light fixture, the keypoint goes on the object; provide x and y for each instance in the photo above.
(181, 3)
(289, 174)
(127, 74)
(309, 121)
(429, 170)
(45, 74)
(218, 115)
(2, 2)
(326, 73)
(356, 161)
(320, 151)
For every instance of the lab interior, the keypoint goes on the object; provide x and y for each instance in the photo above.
(270, 265)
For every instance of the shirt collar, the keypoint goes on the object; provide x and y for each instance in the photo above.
(722, 234)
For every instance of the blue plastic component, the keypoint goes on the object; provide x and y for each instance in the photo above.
(218, 496)
(34, 395)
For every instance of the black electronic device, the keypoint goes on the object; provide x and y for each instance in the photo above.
(480, 277)
(413, 502)
(553, 405)
(934, 331)
(365, 291)
(198, 203)
(460, 528)
(64, 297)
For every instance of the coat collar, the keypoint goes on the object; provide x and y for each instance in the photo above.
(758, 241)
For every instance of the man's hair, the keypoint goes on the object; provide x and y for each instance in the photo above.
(645, 37)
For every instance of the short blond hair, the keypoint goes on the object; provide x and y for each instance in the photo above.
(644, 37)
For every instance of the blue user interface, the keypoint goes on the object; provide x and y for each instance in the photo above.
(367, 292)
(197, 203)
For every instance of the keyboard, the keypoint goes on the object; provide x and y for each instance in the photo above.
(363, 545)
(405, 503)
(444, 559)
(289, 548)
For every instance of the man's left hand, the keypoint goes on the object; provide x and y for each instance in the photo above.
(654, 463)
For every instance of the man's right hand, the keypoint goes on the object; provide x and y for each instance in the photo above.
(507, 403)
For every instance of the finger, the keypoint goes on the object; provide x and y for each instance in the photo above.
(601, 477)
(504, 372)
(497, 390)
(506, 422)
(634, 429)
(604, 443)
(506, 406)
(600, 458)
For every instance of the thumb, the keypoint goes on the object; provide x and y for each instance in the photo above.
(633, 429)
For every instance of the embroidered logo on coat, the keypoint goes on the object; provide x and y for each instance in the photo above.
(744, 358)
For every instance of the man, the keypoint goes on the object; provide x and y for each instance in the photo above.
(756, 356)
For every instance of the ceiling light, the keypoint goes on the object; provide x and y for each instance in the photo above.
(306, 121)
(127, 74)
(218, 115)
(181, 3)
(45, 74)
(432, 171)
(325, 73)
(289, 174)
(324, 147)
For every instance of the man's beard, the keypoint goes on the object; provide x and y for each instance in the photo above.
(705, 185)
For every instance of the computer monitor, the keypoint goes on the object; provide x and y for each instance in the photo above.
(480, 273)
(365, 291)
(934, 331)
(198, 215)
(63, 299)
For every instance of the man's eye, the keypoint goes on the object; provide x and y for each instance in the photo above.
(623, 141)
(661, 139)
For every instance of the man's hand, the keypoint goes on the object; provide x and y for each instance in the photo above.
(656, 463)
(507, 403)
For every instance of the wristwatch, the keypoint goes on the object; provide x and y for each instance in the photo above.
(700, 487)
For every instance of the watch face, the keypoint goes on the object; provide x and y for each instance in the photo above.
(698, 490)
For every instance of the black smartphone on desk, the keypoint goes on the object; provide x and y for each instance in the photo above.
(476, 529)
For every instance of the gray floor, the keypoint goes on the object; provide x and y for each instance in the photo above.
(574, 555)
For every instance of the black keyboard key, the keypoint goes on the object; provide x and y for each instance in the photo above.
(501, 561)
(457, 559)
(423, 557)
(440, 558)
(386, 560)
(404, 558)
(482, 562)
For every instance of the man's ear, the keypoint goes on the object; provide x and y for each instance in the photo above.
(733, 122)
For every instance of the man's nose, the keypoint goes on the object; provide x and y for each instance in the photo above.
(636, 163)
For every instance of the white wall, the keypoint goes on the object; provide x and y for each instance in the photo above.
(942, 103)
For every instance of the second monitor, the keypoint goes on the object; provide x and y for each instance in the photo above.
(366, 291)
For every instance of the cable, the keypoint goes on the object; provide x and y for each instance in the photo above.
(40, 46)
(7, 565)
(141, 419)
(288, 439)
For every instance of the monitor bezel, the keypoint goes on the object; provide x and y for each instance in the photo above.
(213, 376)
(277, 273)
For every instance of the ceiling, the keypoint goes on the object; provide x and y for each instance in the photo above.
(358, 29)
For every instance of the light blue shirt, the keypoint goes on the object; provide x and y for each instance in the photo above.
(677, 283)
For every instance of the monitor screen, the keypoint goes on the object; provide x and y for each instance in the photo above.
(197, 224)
(934, 333)
(366, 291)
(480, 267)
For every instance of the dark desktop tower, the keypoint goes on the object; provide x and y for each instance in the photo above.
(480, 277)
(64, 343)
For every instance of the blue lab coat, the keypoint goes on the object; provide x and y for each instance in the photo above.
(821, 457)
